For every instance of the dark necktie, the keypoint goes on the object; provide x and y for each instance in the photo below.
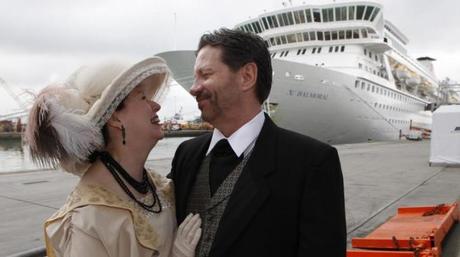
(223, 161)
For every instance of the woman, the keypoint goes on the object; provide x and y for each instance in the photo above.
(101, 125)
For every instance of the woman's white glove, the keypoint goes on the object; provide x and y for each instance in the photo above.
(187, 237)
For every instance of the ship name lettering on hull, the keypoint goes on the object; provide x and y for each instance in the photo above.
(306, 94)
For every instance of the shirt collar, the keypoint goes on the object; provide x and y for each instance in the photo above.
(241, 139)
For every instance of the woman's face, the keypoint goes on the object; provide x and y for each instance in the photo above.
(139, 113)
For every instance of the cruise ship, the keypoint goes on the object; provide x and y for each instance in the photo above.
(342, 73)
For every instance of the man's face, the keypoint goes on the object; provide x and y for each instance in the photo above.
(216, 86)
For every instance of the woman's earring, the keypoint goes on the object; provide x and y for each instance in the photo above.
(123, 134)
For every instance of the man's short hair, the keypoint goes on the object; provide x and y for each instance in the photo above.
(238, 49)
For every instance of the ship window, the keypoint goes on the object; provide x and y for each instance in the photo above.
(336, 49)
(290, 19)
(351, 12)
(280, 20)
(325, 19)
(360, 12)
(369, 10)
(285, 54)
(330, 49)
(341, 13)
(319, 50)
(299, 37)
(360, 65)
(298, 51)
(355, 33)
(304, 50)
(370, 54)
(291, 38)
(312, 35)
(373, 88)
(271, 22)
(364, 33)
(328, 15)
(368, 87)
(363, 85)
(314, 50)
(348, 34)
(283, 39)
(308, 15)
(342, 48)
(341, 34)
(266, 43)
(365, 51)
(356, 83)
(376, 11)
(274, 54)
(258, 27)
(327, 35)
(248, 28)
(272, 41)
(278, 40)
(305, 36)
(264, 21)
(251, 28)
(334, 35)
(320, 35)
(285, 19)
(316, 15)
(299, 17)
(376, 58)
(275, 21)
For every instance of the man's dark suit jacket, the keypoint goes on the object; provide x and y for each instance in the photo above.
(288, 201)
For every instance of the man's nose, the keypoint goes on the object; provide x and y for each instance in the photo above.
(196, 89)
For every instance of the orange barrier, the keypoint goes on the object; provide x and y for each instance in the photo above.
(413, 232)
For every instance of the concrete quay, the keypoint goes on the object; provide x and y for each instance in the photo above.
(379, 177)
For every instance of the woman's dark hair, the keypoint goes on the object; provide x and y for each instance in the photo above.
(238, 49)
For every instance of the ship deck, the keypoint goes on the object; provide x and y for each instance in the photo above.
(379, 177)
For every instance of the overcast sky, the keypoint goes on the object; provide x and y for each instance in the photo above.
(44, 41)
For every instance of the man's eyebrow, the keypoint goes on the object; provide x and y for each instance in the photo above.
(205, 69)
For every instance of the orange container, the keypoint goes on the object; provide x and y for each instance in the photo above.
(414, 231)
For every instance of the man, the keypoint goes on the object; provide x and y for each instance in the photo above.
(263, 190)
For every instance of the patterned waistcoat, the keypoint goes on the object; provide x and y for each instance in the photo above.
(210, 208)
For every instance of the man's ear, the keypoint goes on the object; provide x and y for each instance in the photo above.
(248, 75)
(114, 122)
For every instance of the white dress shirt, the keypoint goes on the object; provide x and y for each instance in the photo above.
(242, 139)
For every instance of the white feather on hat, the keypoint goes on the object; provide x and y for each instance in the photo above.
(66, 121)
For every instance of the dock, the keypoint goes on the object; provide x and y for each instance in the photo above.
(379, 177)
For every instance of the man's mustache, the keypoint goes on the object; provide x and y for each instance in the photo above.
(203, 95)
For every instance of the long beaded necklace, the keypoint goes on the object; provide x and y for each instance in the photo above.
(142, 187)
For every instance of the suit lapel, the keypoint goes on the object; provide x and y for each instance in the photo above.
(250, 192)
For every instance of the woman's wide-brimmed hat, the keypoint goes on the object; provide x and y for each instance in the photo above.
(66, 120)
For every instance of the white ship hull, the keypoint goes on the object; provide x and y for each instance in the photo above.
(326, 106)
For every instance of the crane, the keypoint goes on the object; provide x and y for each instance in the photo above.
(5, 85)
